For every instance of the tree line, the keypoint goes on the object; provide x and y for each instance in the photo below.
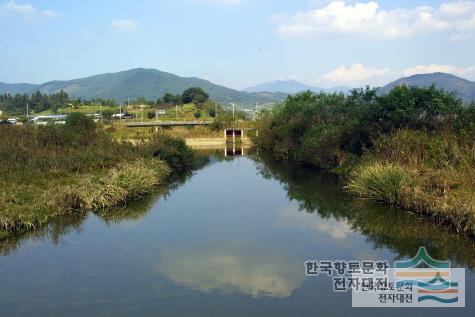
(327, 130)
(38, 102)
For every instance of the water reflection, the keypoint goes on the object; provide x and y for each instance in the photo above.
(131, 211)
(336, 229)
(402, 232)
(228, 242)
(53, 231)
(232, 268)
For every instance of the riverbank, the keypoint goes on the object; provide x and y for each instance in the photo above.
(55, 170)
(428, 174)
(413, 148)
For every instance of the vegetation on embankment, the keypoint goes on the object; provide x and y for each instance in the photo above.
(120, 131)
(414, 147)
(55, 170)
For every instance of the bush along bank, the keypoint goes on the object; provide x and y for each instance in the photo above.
(414, 148)
(56, 170)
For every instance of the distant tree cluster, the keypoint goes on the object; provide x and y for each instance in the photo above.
(37, 102)
(194, 95)
(170, 99)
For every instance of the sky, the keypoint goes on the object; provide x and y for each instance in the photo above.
(238, 43)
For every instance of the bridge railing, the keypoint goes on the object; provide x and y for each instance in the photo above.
(167, 123)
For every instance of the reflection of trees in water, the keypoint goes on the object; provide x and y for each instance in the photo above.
(53, 231)
(132, 210)
(402, 232)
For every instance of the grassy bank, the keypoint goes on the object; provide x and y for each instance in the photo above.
(430, 174)
(413, 148)
(55, 170)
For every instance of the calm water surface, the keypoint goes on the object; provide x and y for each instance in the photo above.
(229, 241)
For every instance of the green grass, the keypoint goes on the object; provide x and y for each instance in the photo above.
(185, 112)
(55, 170)
(3, 234)
(429, 174)
(383, 182)
(87, 109)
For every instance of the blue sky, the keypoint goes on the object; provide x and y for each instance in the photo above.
(238, 43)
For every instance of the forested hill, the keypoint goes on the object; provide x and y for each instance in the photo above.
(465, 89)
(17, 88)
(149, 83)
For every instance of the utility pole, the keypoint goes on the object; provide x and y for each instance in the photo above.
(232, 104)
(176, 110)
(27, 113)
(100, 111)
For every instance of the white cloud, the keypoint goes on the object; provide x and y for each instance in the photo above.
(461, 8)
(124, 24)
(25, 10)
(356, 75)
(371, 20)
(468, 71)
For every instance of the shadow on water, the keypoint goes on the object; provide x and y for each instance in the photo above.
(384, 227)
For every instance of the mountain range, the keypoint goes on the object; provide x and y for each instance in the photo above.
(141, 82)
(152, 84)
(292, 87)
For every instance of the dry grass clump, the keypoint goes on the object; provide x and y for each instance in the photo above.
(124, 182)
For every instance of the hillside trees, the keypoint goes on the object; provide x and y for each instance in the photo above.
(195, 94)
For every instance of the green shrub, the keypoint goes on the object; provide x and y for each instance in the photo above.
(321, 147)
(172, 151)
(382, 182)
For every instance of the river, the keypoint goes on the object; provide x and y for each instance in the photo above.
(229, 240)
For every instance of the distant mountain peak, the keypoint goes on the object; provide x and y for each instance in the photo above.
(290, 86)
(463, 88)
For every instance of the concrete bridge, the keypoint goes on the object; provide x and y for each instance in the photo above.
(167, 123)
